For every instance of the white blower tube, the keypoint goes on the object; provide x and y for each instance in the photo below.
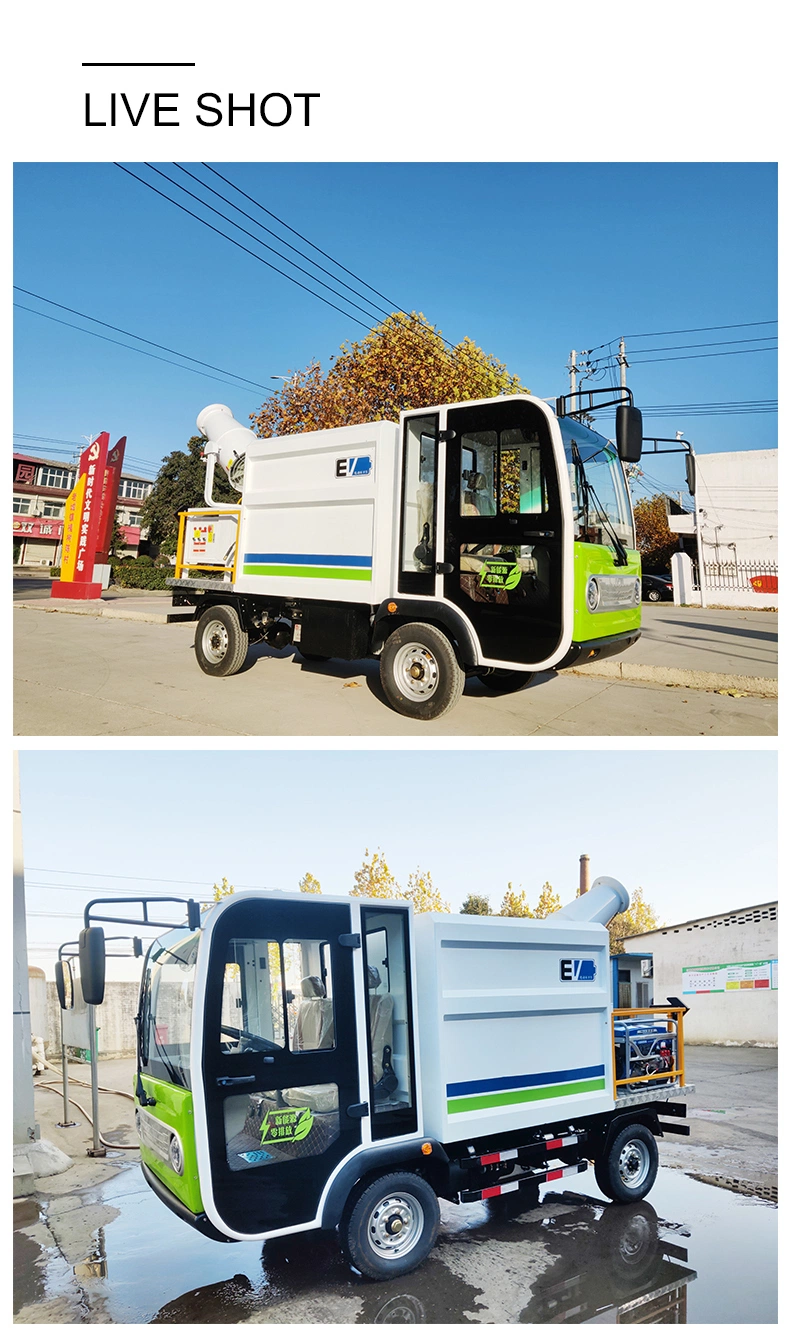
(602, 903)
(227, 442)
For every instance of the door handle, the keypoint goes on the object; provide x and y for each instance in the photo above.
(234, 1082)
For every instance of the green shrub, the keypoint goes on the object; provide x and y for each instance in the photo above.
(144, 559)
(142, 575)
(54, 571)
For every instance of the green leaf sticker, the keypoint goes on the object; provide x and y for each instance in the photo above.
(501, 574)
(304, 1126)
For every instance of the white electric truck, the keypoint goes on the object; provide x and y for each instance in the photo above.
(491, 539)
(340, 1063)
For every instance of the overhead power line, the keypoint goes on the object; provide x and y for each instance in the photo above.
(710, 328)
(138, 338)
(139, 350)
(270, 232)
(245, 232)
(307, 241)
(703, 356)
(239, 245)
(421, 329)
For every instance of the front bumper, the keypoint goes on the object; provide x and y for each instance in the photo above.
(592, 649)
(198, 1221)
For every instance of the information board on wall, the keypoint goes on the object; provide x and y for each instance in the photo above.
(726, 977)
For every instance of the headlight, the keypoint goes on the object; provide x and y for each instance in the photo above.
(176, 1156)
(593, 594)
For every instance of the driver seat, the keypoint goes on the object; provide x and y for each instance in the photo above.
(315, 1018)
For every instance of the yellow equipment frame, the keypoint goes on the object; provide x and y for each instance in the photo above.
(674, 1015)
(211, 568)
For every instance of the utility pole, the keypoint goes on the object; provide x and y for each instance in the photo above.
(699, 514)
(572, 369)
(622, 362)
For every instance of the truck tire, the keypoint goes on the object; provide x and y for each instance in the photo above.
(392, 1226)
(506, 682)
(221, 643)
(420, 673)
(628, 1168)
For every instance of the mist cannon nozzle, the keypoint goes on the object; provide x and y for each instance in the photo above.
(605, 900)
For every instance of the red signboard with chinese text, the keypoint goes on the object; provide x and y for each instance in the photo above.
(109, 498)
(81, 526)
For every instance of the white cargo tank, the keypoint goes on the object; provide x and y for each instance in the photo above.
(515, 1017)
(316, 508)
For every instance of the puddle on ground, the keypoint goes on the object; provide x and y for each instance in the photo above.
(690, 1253)
(769, 1192)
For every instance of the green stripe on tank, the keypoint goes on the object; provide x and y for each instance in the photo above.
(303, 571)
(459, 1104)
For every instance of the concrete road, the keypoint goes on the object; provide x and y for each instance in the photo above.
(738, 642)
(77, 675)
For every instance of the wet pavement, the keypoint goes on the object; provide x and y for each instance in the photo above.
(693, 1252)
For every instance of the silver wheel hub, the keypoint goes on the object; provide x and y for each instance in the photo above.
(396, 1224)
(215, 641)
(416, 671)
(634, 1163)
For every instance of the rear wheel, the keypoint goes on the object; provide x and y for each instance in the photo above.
(221, 643)
(420, 673)
(506, 682)
(628, 1169)
(392, 1226)
(654, 594)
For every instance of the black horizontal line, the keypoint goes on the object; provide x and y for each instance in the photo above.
(138, 64)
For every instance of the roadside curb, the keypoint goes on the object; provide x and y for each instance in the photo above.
(718, 682)
(107, 610)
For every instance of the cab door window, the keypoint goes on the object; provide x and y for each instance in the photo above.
(275, 996)
(390, 1027)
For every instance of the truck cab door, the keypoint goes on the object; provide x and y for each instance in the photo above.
(280, 1065)
(503, 528)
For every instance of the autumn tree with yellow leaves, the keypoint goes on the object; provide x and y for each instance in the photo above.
(374, 878)
(639, 918)
(309, 884)
(403, 363)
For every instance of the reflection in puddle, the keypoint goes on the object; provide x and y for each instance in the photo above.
(692, 1253)
(770, 1192)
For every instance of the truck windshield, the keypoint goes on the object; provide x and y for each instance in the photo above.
(166, 1006)
(606, 503)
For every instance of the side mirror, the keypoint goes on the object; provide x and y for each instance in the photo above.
(64, 982)
(629, 433)
(691, 473)
(193, 914)
(137, 947)
(92, 964)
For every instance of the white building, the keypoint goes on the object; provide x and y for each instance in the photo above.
(725, 968)
(737, 499)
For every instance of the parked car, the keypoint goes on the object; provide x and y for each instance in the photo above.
(656, 587)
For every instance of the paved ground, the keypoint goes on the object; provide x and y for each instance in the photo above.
(77, 675)
(95, 1245)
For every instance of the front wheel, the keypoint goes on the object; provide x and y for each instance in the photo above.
(392, 1226)
(420, 673)
(627, 1170)
(221, 643)
(506, 682)
(653, 595)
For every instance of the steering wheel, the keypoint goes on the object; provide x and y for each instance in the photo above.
(255, 1042)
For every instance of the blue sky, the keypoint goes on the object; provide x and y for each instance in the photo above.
(528, 260)
(475, 819)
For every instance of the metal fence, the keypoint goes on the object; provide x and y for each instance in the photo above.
(739, 576)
